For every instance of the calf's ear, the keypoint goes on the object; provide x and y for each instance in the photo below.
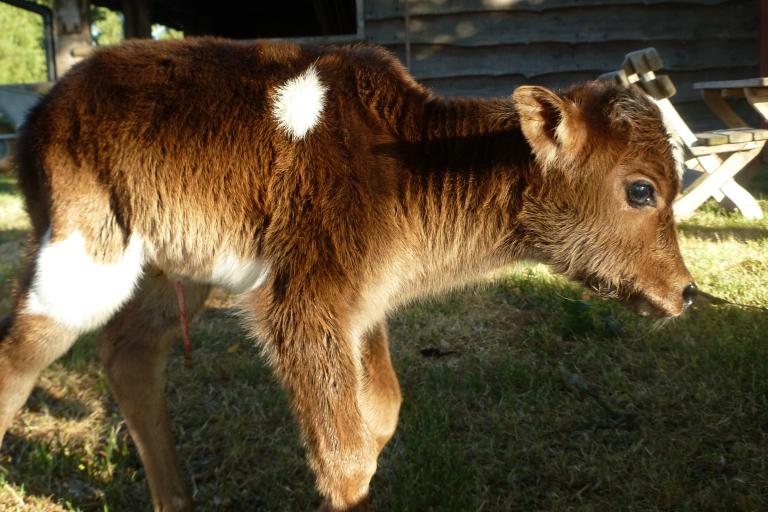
(551, 124)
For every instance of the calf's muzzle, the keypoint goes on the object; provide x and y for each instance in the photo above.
(689, 294)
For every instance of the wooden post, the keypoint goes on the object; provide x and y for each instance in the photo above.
(764, 57)
(763, 37)
(137, 19)
(71, 31)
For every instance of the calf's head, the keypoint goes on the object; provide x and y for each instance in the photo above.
(599, 194)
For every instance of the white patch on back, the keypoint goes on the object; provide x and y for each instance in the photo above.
(299, 102)
(236, 274)
(77, 292)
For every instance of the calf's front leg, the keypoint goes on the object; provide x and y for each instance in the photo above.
(380, 396)
(322, 370)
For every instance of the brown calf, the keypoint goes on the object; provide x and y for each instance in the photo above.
(326, 187)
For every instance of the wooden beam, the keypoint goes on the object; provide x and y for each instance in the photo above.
(763, 37)
(71, 31)
(764, 58)
(137, 19)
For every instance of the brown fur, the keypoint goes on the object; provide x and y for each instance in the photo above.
(396, 193)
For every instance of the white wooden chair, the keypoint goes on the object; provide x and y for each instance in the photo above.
(718, 155)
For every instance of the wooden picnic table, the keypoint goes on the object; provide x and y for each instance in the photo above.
(755, 90)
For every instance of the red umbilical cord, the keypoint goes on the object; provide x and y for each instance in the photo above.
(184, 318)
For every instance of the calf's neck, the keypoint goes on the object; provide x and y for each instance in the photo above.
(325, 187)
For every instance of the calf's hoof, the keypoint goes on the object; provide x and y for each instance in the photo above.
(176, 504)
(361, 506)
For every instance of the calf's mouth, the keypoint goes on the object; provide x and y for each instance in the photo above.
(644, 302)
(648, 307)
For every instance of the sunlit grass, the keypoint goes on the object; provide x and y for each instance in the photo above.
(508, 421)
(12, 215)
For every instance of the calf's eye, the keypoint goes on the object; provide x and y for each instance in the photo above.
(641, 193)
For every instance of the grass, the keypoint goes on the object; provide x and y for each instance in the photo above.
(551, 401)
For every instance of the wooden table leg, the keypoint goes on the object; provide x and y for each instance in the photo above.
(721, 178)
(707, 164)
(714, 100)
(744, 201)
(758, 98)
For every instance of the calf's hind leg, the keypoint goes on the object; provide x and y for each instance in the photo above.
(28, 343)
(71, 289)
(134, 347)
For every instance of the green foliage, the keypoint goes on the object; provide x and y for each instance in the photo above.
(22, 56)
(106, 26)
(161, 32)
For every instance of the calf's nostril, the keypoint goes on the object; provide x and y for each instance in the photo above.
(689, 294)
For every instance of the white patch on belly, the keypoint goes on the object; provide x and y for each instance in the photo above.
(77, 292)
(236, 274)
(299, 102)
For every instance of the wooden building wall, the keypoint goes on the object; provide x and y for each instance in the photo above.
(488, 47)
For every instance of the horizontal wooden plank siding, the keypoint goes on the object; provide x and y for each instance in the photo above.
(381, 9)
(545, 58)
(488, 47)
(593, 24)
(487, 86)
